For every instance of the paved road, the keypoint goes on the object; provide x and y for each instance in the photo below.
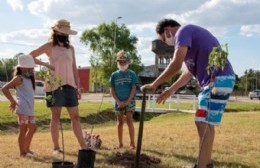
(85, 97)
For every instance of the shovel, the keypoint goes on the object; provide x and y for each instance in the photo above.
(140, 133)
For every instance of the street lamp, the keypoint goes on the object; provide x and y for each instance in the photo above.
(114, 47)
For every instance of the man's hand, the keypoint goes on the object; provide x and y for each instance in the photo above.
(149, 86)
(165, 95)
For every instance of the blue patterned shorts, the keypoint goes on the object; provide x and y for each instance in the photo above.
(129, 108)
(212, 100)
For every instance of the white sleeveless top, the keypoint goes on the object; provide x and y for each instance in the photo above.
(25, 97)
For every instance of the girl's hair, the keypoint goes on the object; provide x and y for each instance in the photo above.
(18, 71)
(53, 38)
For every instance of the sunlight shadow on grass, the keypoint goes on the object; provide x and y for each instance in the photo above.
(216, 163)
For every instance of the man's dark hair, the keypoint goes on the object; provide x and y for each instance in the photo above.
(164, 23)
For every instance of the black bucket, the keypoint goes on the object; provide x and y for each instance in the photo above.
(62, 165)
(86, 158)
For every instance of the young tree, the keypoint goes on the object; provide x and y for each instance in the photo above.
(105, 41)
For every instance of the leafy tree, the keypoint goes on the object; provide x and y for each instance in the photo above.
(249, 81)
(105, 41)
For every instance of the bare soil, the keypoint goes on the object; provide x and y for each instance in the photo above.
(127, 159)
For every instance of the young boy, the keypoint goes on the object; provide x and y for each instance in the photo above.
(123, 87)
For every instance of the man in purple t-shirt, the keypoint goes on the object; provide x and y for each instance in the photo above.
(193, 45)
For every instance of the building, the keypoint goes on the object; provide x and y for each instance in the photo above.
(85, 78)
(163, 56)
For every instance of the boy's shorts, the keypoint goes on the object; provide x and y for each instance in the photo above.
(25, 119)
(211, 104)
(64, 96)
(129, 108)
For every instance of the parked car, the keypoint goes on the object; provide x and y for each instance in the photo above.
(254, 94)
(39, 93)
(2, 83)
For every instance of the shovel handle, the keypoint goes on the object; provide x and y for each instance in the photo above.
(140, 133)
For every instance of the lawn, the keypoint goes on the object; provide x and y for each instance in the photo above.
(170, 137)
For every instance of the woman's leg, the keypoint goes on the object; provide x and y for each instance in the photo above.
(75, 123)
(129, 119)
(54, 126)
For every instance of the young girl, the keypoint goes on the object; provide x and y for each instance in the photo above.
(24, 84)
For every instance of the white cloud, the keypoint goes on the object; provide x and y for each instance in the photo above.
(250, 30)
(223, 18)
(16, 4)
(221, 13)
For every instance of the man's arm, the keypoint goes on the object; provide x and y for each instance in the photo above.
(185, 77)
(174, 66)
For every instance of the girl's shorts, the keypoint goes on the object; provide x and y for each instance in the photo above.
(213, 98)
(25, 119)
(64, 96)
(129, 108)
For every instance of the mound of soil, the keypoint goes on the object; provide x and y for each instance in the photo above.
(127, 159)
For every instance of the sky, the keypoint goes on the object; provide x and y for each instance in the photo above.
(26, 24)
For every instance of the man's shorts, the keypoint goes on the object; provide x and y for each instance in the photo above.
(212, 100)
(129, 108)
(64, 96)
(25, 119)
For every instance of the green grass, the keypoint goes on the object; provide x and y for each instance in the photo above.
(42, 113)
(171, 137)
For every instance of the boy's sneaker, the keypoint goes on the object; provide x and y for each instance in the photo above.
(29, 155)
(57, 151)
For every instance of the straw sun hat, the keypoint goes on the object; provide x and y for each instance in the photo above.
(26, 61)
(63, 26)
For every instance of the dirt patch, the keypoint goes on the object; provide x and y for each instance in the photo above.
(127, 159)
(99, 118)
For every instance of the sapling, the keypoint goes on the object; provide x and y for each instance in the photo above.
(51, 81)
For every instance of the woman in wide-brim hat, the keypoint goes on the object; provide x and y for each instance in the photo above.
(62, 61)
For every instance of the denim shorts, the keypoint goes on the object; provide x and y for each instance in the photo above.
(213, 98)
(64, 96)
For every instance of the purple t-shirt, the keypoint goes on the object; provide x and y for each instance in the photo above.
(200, 43)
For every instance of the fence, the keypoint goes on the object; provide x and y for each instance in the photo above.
(173, 103)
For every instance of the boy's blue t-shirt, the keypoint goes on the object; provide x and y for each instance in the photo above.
(122, 82)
